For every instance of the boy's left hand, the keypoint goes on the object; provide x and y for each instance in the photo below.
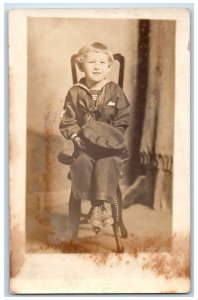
(79, 143)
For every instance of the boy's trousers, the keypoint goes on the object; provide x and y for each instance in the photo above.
(95, 179)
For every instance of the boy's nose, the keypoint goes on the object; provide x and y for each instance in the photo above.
(97, 65)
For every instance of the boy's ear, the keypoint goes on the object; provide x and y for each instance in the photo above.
(80, 67)
(110, 66)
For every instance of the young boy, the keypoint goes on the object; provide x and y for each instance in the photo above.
(94, 98)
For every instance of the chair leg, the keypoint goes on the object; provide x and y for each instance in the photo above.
(120, 248)
(115, 214)
(123, 230)
(74, 215)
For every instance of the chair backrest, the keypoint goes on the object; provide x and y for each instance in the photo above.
(117, 56)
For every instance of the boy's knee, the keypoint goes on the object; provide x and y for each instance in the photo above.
(115, 159)
(83, 159)
(111, 161)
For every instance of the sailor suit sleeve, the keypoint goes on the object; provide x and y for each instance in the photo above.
(68, 122)
(121, 118)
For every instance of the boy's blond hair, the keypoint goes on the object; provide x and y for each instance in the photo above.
(95, 47)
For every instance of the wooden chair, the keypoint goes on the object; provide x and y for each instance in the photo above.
(75, 216)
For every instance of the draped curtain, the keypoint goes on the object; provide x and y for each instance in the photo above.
(152, 117)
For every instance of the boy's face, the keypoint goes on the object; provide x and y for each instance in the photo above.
(96, 66)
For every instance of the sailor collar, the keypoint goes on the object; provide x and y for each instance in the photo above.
(82, 84)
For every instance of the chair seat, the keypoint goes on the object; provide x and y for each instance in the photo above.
(64, 157)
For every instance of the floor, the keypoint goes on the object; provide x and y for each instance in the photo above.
(148, 230)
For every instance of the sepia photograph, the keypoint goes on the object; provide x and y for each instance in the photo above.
(99, 110)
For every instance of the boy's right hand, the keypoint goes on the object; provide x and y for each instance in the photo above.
(79, 143)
